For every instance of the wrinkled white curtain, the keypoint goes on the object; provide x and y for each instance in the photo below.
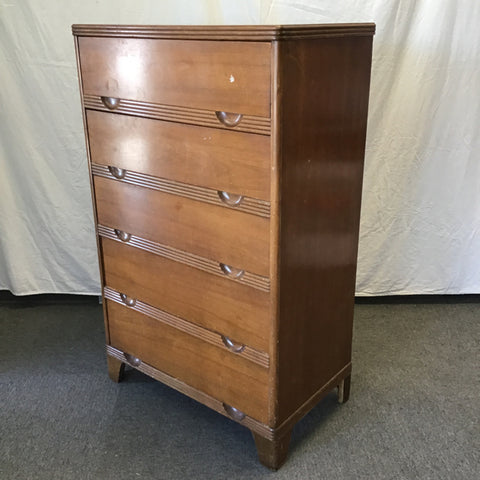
(47, 242)
(421, 203)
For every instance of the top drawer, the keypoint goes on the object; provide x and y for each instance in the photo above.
(213, 75)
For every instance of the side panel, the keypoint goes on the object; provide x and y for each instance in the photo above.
(324, 101)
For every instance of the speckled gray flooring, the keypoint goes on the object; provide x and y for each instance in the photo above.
(413, 411)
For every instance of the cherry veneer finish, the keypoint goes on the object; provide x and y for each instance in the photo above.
(220, 159)
(226, 166)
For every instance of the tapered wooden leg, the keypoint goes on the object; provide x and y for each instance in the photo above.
(272, 453)
(344, 390)
(115, 368)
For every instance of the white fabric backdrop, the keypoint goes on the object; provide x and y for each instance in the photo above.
(421, 204)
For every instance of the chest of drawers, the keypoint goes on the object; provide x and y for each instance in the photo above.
(226, 170)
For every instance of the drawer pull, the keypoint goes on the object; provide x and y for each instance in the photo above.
(230, 198)
(234, 412)
(111, 102)
(129, 301)
(134, 361)
(118, 172)
(232, 346)
(229, 119)
(123, 236)
(231, 271)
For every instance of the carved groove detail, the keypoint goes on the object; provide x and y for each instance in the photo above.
(169, 113)
(190, 259)
(203, 194)
(197, 395)
(258, 33)
(260, 358)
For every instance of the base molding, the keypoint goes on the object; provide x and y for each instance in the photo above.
(272, 443)
(254, 425)
(335, 382)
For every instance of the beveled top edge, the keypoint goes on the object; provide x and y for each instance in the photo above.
(225, 32)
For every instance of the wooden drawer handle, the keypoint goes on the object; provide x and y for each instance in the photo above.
(229, 119)
(123, 236)
(232, 346)
(134, 361)
(231, 271)
(118, 172)
(234, 412)
(111, 102)
(230, 199)
(129, 301)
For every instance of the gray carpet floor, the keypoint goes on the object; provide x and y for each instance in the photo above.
(413, 411)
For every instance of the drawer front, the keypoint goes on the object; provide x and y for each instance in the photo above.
(221, 234)
(238, 311)
(222, 76)
(213, 370)
(231, 161)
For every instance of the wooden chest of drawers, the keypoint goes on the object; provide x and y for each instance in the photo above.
(226, 169)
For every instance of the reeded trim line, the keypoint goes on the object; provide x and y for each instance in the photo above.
(170, 113)
(249, 33)
(249, 205)
(210, 266)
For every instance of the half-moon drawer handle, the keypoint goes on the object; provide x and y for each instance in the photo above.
(134, 361)
(123, 236)
(229, 119)
(231, 271)
(129, 301)
(232, 346)
(118, 172)
(230, 199)
(234, 412)
(111, 102)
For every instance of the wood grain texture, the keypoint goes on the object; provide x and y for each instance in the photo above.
(210, 266)
(216, 303)
(220, 159)
(215, 371)
(227, 32)
(194, 192)
(275, 223)
(185, 115)
(185, 326)
(226, 235)
(226, 76)
(322, 165)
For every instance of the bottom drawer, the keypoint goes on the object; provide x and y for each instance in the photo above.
(215, 371)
